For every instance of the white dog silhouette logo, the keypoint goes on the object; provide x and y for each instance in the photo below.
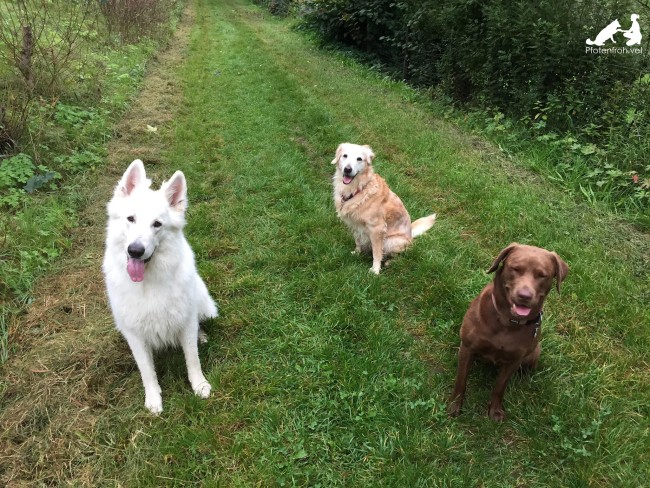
(633, 34)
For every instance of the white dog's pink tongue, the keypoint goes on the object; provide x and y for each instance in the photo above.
(347, 180)
(521, 311)
(135, 268)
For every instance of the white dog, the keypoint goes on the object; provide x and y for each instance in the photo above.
(155, 292)
(607, 34)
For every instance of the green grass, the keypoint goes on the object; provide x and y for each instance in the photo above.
(324, 374)
(581, 169)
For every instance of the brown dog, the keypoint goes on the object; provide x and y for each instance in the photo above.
(502, 324)
(375, 215)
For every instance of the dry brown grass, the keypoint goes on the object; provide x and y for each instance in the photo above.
(71, 367)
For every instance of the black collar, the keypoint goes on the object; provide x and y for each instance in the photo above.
(536, 320)
(350, 196)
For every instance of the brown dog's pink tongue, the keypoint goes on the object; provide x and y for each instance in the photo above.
(521, 311)
(135, 268)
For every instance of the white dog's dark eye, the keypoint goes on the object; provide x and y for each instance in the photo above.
(131, 218)
(157, 223)
(345, 155)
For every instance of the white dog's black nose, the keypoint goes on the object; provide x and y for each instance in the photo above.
(135, 250)
(347, 170)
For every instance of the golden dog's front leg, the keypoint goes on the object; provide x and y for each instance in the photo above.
(357, 244)
(377, 241)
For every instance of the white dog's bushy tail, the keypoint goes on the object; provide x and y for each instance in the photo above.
(420, 226)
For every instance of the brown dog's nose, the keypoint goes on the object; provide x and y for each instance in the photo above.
(524, 294)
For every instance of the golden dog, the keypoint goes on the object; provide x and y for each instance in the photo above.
(375, 215)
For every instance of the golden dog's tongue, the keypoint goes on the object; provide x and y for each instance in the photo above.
(135, 268)
(347, 180)
(521, 311)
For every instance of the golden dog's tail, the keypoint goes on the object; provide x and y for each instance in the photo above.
(420, 226)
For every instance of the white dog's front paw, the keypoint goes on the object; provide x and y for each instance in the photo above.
(203, 389)
(153, 403)
(203, 337)
(375, 269)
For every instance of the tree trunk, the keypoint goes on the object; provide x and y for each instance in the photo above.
(26, 54)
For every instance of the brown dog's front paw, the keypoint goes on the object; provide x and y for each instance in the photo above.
(496, 412)
(453, 409)
(455, 405)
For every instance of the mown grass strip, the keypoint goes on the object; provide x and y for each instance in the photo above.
(326, 375)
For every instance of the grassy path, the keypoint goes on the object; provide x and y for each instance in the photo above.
(323, 374)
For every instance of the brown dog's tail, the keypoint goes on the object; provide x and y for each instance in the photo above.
(420, 226)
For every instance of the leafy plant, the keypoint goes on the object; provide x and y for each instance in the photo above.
(78, 161)
(19, 174)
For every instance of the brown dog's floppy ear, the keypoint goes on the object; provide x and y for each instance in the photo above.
(370, 153)
(561, 270)
(502, 255)
(339, 151)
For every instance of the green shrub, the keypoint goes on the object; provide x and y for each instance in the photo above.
(19, 175)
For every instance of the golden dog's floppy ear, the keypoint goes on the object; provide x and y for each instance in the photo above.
(339, 151)
(370, 153)
(561, 270)
(502, 255)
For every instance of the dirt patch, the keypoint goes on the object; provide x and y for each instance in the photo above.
(70, 365)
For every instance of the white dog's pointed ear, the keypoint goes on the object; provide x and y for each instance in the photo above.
(176, 191)
(133, 177)
(369, 153)
(339, 151)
